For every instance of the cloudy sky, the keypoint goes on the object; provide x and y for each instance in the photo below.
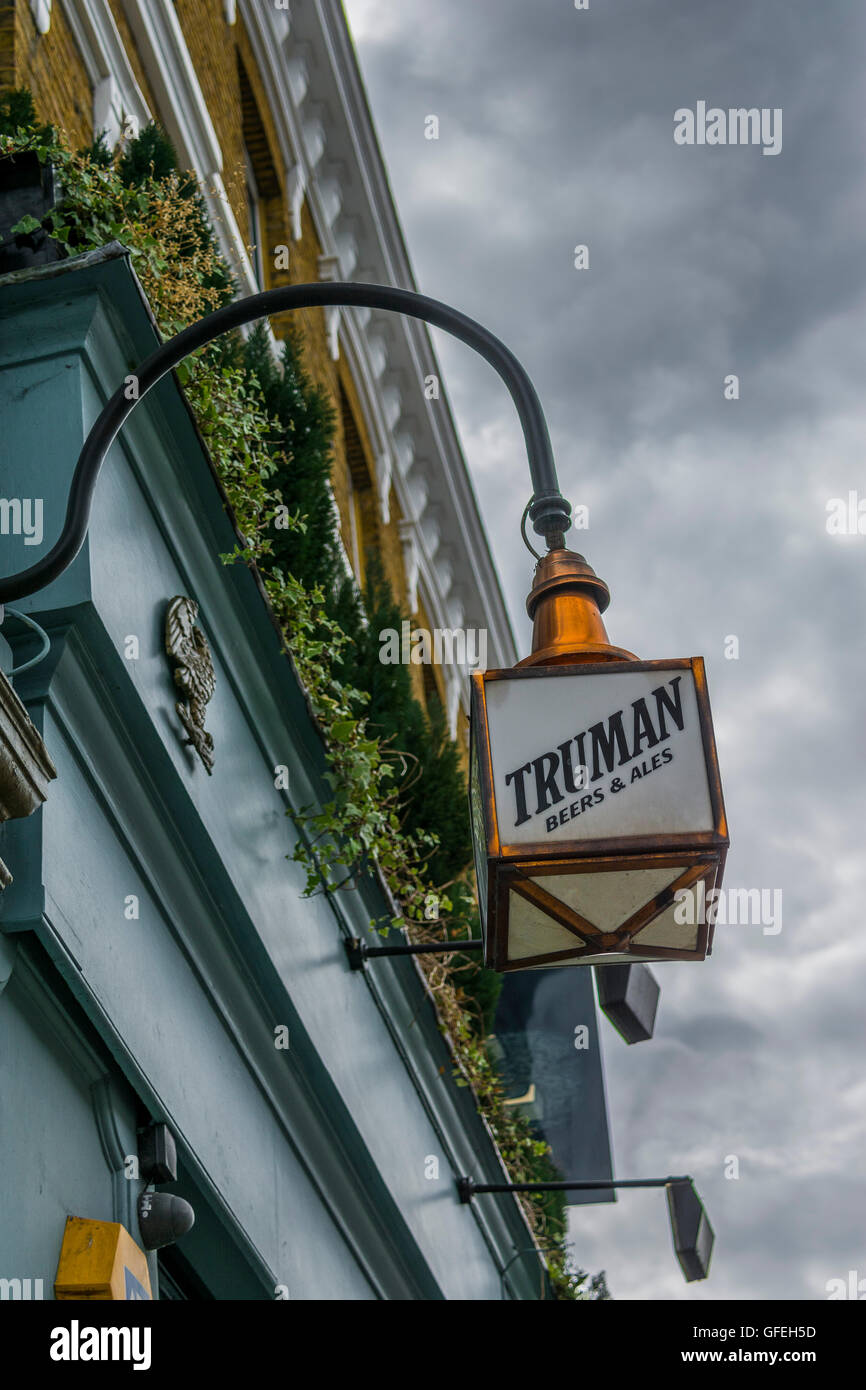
(708, 519)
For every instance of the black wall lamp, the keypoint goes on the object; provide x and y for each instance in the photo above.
(692, 1233)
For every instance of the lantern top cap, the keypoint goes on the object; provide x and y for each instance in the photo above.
(565, 571)
(565, 604)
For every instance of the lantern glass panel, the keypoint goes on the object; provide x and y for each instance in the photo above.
(607, 900)
(635, 733)
(666, 931)
(533, 933)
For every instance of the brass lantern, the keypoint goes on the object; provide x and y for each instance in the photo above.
(595, 795)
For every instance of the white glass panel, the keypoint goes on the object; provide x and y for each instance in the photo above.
(638, 735)
(532, 933)
(608, 900)
(666, 931)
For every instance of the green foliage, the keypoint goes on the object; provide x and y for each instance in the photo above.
(17, 113)
(161, 218)
(397, 797)
(302, 446)
(149, 156)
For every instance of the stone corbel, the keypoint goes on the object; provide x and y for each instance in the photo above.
(329, 184)
(347, 246)
(329, 269)
(384, 473)
(405, 445)
(41, 12)
(25, 767)
(411, 561)
(108, 113)
(297, 191)
(452, 698)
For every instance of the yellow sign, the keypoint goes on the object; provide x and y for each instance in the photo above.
(99, 1259)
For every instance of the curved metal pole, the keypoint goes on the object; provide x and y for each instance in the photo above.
(550, 513)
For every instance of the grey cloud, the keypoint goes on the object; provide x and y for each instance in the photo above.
(707, 518)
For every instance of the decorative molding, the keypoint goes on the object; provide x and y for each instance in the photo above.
(445, 575)
(118, 102)
(392, 402)
(411, 561)
(418, 489)
(41, 12)
(108, 117)
(404, 443)
(378, 354)
(25, 767)
(314, 141)
(384, 474)
(123, 1189)
(194, 675)
(297, 74)
(347, 249)
(453, 682)
(330, 189)
(329, 269)
(282, 17)
(456, 609)
(296, 185)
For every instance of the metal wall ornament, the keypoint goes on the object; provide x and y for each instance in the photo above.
(188, 649)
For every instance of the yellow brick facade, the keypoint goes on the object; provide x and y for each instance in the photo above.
(53, 69)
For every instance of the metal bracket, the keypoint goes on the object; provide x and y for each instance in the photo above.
(358, 952)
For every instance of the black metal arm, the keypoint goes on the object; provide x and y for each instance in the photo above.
(549, 512)
(467, 1188)
(359, 952)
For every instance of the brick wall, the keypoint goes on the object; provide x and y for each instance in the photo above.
(7, 43)
(52, 67)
